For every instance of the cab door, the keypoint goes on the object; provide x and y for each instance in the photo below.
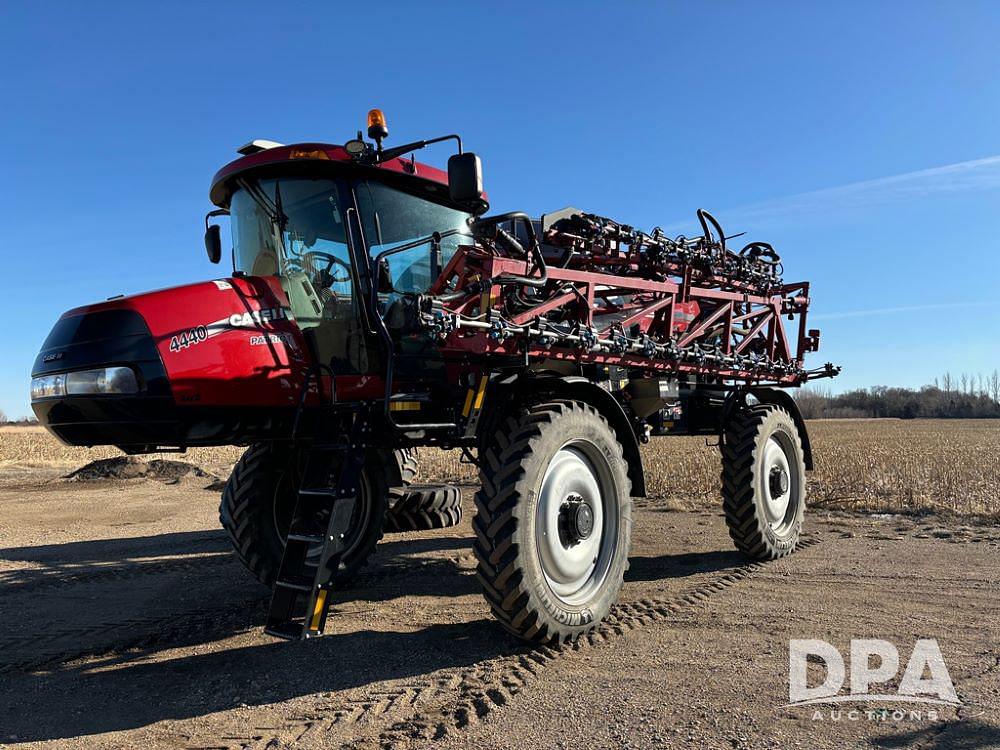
(323, 281)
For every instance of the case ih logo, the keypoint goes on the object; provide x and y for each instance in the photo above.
(936, 689)
(255, 318)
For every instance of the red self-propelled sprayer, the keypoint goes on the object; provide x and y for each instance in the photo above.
(373, 309)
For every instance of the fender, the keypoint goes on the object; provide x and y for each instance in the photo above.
(785, 401)
(577, 388)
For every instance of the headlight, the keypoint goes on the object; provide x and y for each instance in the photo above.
(48, 386)
(105, 380)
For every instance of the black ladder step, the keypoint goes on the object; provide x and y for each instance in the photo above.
(308, 538)
(299, 583)
(290, 631)
(322, 492)
(332, 445)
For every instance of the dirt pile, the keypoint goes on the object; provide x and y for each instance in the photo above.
(130, 467)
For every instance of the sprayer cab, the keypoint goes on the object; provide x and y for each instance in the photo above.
(227, 361)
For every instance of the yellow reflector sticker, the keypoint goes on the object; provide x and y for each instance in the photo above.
(318, 610)
(468, 402)
(404, 406)
(481, 393)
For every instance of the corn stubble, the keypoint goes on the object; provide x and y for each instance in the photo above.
(870, 465)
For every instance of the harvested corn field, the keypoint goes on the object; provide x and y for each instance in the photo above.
(882, 465)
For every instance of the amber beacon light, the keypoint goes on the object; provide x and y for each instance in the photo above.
(377, 129)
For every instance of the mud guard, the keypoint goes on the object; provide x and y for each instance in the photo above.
(785, 401)
(577, 388)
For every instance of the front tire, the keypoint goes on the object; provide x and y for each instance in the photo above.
(260, 496)
(763, 481)
(553, 521)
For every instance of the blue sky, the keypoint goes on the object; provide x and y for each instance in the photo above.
(861, 139)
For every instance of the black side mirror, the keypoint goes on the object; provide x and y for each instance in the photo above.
(465, 182)
(213, 242)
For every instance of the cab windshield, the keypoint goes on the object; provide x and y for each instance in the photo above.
(292, 228)
(392, 218)
(296, 229)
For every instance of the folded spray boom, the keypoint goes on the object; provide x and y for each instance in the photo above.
(593, 290)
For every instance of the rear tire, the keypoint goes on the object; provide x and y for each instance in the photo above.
(260, 496)
(407, 465)
(763, 481)
(553, 521)
(424, 507)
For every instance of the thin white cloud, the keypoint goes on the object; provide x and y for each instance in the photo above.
(894, 310)
(973, 175)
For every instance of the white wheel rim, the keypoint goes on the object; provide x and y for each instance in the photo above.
(780, 486)
(573, 568)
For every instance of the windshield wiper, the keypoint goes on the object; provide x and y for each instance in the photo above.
(259, 197)
(272, 209)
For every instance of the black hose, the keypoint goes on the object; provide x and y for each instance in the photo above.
(705, 218)
(761, 251)
(534, 247)
(509, 241)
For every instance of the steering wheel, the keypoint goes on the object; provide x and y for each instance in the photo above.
(326, 274)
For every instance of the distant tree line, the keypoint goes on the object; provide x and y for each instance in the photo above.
(950, 397)
(962, 397)
(22, 422)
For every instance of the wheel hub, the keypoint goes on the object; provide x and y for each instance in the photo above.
(576, 520)
(778, 481)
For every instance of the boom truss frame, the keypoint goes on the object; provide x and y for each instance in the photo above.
(611, 307)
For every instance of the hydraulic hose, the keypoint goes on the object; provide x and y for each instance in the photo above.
(705, 218)
(762, 252)
(507, 239)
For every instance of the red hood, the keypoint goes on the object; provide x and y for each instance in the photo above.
(224, 342)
